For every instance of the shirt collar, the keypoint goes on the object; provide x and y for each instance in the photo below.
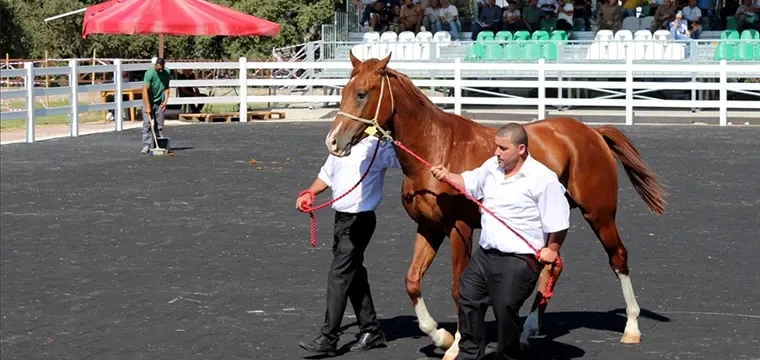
(525, 170)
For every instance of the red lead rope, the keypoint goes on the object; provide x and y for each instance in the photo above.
(308, 208)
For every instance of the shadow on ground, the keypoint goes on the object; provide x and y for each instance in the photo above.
(545, 346)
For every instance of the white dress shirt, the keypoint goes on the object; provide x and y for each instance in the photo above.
(341, 173)
(532, 202)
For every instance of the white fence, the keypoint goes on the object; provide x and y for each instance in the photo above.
(457, 76)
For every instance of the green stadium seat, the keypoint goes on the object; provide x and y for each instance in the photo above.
(485, 36)
(749, 39)
(522, 35)
(503, 36)
(512, 51)
(494, 52)
(726, 49)
(475, 52)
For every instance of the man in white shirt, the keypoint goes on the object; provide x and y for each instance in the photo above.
(354, 225)
(693, 14)
(503, 272)
(564, 15)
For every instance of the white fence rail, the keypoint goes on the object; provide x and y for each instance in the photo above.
(457, 76)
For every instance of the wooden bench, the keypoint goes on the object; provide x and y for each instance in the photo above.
(231, 116)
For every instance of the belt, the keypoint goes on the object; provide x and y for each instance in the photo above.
(529, 258)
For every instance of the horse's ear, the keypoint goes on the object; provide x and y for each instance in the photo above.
(354, 61)
(382, 64)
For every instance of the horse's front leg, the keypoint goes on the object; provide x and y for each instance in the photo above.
(426, 244)
(461, 251)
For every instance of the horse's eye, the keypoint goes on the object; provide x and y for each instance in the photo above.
(361, 95)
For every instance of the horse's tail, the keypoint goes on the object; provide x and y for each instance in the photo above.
(643, 179)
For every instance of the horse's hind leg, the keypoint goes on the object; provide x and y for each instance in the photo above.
(606, 230)
(426, 244)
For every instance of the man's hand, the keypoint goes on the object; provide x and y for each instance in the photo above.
(439, 172)
(547, 255)
(303, 201)
(163, 106)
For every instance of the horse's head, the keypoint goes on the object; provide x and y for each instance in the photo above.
(366, 105)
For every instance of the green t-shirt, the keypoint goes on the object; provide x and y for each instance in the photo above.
(157, 83)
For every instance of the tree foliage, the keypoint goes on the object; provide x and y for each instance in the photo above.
(24, 34)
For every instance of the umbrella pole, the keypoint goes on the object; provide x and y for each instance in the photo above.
(160, 45)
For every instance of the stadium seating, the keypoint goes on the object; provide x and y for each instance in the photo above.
(738, 47)
(505, 46)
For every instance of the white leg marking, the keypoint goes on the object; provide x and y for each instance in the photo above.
(441, 338)
(453, 351)
(632, 334)
(427, 324)
(530, 328)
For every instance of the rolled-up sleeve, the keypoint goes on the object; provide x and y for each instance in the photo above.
(473, 181)
(554, 208)
(326, 172)
(390, 160)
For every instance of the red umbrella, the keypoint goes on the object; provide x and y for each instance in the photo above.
(175, 17)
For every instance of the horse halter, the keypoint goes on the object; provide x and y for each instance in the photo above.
(374, 126)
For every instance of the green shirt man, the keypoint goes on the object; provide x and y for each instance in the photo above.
(156, 84)
(155, 96)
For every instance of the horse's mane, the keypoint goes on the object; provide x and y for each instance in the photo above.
(421, 99)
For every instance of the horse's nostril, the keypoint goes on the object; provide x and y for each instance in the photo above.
(333, 141)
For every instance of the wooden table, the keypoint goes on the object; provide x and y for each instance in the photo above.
(131, 93)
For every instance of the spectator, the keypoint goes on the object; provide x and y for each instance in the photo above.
(512, 17)
(654, 5)
(532, 16)
(608, 17)
(395, 24)
(489, 19)
(367, 11)
(189, 91)
(663, 16)
(629, 7)
(582, 9)
(707, 8)
(449, 20)
(548, 6)
(748, 16)
(380, 17)
(549, 22)
(411, 17)
(679, 29)
(564, 16)
(693, 14)
(431, 16)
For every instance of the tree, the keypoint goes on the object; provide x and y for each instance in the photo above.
(25, 34)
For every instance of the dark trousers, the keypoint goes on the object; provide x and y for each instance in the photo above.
(503, 281)
(347, 279)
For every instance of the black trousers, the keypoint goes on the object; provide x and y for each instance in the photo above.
(504, 281)
(347, 278)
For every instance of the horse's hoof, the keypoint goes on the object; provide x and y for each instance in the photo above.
(631, 338)
(448, 356)
(443, 339)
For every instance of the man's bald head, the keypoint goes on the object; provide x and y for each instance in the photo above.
(514, 132)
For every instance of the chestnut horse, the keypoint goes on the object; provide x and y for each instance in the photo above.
(379, 99)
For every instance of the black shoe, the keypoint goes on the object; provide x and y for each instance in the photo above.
(321, 345)
(368, 341)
